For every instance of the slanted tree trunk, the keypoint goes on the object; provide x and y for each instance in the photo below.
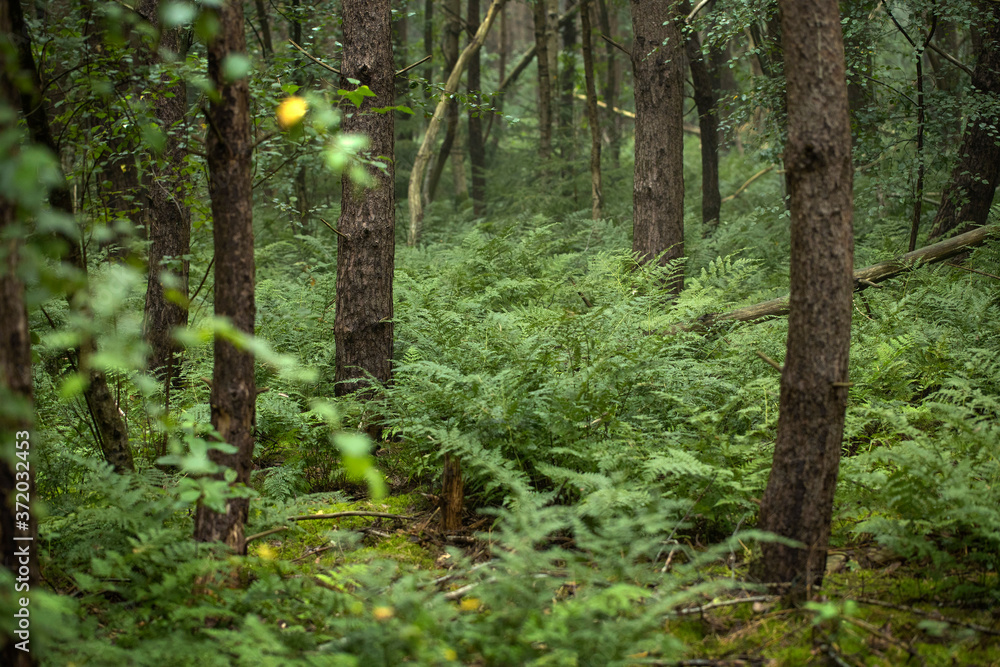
(18, 528)
(477, 149)
(366, 244)
(169, 223)
(966, 200)
(234, 391)
(658, 197)
(112, 435)
(453, 28)
(706, 100)
(544, 80)
(798, 501)
(596, 190)
(265, 29)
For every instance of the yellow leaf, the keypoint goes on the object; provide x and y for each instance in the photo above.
(291, 112)
(383, 613)
(470, 604)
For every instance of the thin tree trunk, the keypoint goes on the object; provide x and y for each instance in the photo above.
(453, 28)
(18, 525)
(366, 245)
(596, 194)
(708, 121)
(798, 501)
(658, 197)
(477, 149)
(234, 393)
(612, 85)
(428, 42)
(265, 29)
(112, 435)
(567, 83)
(424, 153)
(169, 224)
(544, 81)
(966, 200)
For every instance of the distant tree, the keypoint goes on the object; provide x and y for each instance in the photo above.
(229, 150)
(596, 188)
(798, 501)
(366, 245)
(658, 197)
(453, 29)
(706, 100)
(545, 77)
(477, 148)
(966, 200)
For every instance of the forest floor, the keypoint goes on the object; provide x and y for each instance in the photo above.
(874, 608)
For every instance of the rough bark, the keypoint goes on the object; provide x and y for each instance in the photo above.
(706, 99)
(544, 81)
(18, 529)
(452, 494)
(234, 393)
(366, 246)
(477, 147)
(798, 501)
(966, 200)
(596, 190)
(423, 157)
(169, 221)
(658, 197)
(112, 434)
(453, 28)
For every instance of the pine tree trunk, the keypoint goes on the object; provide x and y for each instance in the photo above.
(169, 223)
(567, 83)
(596, 190)
(544, 81)
(658, 197)
(366, 246)
(966, 200)
(708, 122)
(453, 28)
(265, 29)
(798, 501)
(234, 391)
(612, 85)
(477, 149)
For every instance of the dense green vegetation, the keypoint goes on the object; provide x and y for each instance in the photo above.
(614, 454)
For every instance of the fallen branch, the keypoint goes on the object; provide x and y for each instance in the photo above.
(745, 185)
(863, 278)
(257, 536)
(725, 603)
(926, 614)
(337, 515)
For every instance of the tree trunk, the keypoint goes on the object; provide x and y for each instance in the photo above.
(798, 501)
(966, 200)
(567, 84)
(477, 149)
(234, 391)
(706, 100)
(428, 43)
(169, 224)
(596, 193)
(366, 245)
(423, 157)
(544, 80)
(18, 529)
(658, 197)
(265, 29)
(112, 435)
(612, 85)
(453, 28)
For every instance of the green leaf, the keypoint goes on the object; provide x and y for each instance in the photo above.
(174, 14)
(235, 66)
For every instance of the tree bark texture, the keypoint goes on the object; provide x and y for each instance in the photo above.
(234, 391)
(658, 197)
(18, 530)
(966, 200)
(798, 501)
(366, 245)
(477, 147)
(169, 220)
(112, 434)
(706, 99)
(453, 28)
(414, 199)
(544, 80)
(596, 189)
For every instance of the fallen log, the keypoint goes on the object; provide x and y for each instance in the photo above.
(864, 278)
